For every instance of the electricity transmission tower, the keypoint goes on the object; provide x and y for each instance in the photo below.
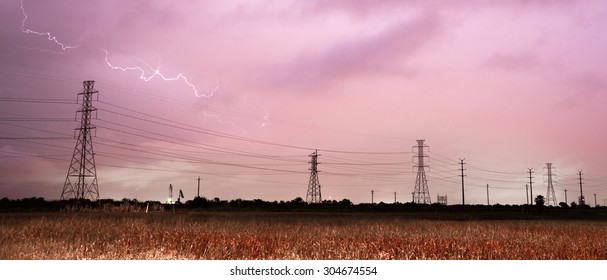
(421, 194)
(441, 199)
(550, 195)
(313, 195)
(81, 179)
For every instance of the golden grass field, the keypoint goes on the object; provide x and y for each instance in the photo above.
(238, 236)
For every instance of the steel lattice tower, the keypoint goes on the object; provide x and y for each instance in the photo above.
(421, 194)
(550, 195)
(81, 180)
(440, 199)
(313, 195)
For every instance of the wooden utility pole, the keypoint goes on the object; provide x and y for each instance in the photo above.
(487, 194)
(372, 191)
(198, 195)
(595, 200)
(582, 200)
(461, 162)
(531, 185)
(527, 192)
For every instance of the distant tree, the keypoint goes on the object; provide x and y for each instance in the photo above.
(199, 202)
(539, 200)
(563, 205)
(108, 201)
(345, 202)
(573, 204)
(4, 201)
(236, 202)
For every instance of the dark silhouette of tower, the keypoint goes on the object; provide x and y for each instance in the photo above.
(461, 161)
(527, 192)
(313, 195)
(198, 193)
(372, 193)
(550, 195)
(582, 200)
(531, 185)
(441, 199)
(81, 179)
(421, 194)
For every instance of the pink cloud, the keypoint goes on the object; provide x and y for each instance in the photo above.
(384, 52)
(520, 61)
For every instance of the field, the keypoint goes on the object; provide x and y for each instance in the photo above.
(235, 235)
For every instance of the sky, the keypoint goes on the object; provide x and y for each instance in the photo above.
(240, 93)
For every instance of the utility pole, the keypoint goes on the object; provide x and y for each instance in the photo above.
(372, 191)
(595, 200)
(487, 194)
(394, 197)
(421, 192)
(527, 193)
(582, 201)
(313, 195)
(531, 184)
(461, 162)
(82, 166)
(550, 195)
(198, 195)
(565, 196)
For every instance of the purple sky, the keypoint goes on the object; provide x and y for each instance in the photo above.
(507, 85)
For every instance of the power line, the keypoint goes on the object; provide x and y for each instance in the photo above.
(207, 161)
(38, 100)
(35, 138)
(36, 120)
(190, 128)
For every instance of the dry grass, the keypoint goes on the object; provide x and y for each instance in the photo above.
(291, 236)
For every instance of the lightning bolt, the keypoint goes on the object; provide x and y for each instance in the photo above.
(48, 35)
(156, 73)
(266, 117)
(219, 120)
(145, 75)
